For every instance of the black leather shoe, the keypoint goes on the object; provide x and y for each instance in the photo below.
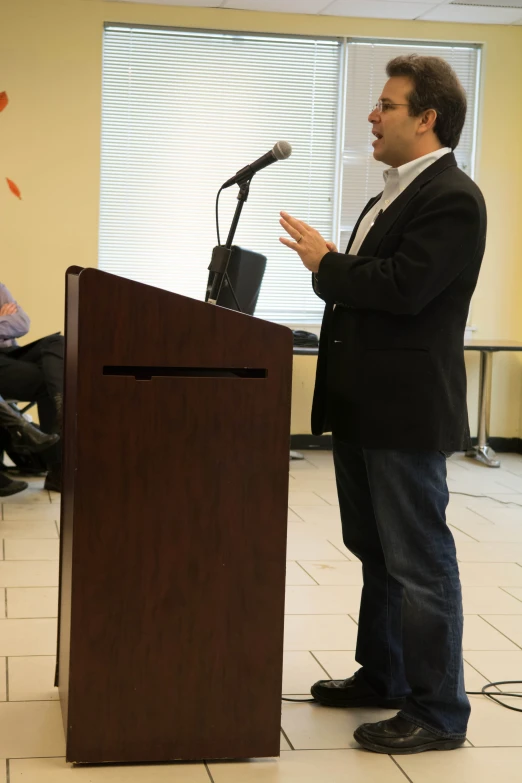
(25, 437)
(353, 692)
(12, 487)
(399, 736)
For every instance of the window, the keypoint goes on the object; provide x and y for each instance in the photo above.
(183, 110)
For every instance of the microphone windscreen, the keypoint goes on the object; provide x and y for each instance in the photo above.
(282, 150)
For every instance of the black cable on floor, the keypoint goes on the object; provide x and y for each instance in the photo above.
(487, 497)
(483, 692)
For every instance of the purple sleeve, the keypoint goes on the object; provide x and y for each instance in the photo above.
(12, 326)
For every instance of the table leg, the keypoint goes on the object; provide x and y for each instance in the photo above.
(482, 451)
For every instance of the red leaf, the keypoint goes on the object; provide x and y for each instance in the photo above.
(4, 100)
(15, 190)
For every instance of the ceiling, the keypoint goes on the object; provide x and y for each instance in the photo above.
(506, 12)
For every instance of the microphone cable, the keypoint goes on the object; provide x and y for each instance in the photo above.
(483, 692)
(217, 214)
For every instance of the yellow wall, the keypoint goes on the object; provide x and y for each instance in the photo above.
(50, 65)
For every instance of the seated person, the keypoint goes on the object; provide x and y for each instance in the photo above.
(33, 372)
(24, 438)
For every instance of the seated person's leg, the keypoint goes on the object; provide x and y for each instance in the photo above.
(21, 380)
(47, 355)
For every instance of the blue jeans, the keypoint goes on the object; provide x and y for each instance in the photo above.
(393, 512)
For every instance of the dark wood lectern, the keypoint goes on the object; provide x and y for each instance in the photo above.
(174, 512)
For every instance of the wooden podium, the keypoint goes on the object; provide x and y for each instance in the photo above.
(174, 514)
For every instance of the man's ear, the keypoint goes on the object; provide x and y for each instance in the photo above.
(428, 119)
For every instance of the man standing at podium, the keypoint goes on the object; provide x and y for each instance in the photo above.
(391, 387)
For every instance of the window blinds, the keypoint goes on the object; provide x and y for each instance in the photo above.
(182, 111)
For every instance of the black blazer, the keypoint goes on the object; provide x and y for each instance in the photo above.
(390, 372)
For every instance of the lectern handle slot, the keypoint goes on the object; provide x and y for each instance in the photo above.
(147, 373)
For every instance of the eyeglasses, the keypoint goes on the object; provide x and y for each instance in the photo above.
(382, 106)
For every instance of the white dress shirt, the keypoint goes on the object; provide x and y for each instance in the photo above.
(395, 181)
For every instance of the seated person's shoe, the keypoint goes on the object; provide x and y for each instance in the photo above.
(25, 437)
(398, 735)
(11, 486)
(353, 692)
(53, 480)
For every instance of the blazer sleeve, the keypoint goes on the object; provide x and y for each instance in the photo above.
(434, 248)
(315, 286)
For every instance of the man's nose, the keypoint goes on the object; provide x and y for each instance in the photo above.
(374, 115)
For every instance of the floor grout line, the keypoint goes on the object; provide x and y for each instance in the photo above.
(40, 617)
(306, 572)
(50, 655)
(501, 632)
(34, 701)
(476, 540)
(506, 591)
(401, 769)
(8, 770)
(7, 678)
(474, 667)
(340, 551)
(208, 771)
(285, 735)
(321, 665)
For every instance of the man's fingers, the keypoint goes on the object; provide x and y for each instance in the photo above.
(289, 243)
(297, 225)
(294, 232)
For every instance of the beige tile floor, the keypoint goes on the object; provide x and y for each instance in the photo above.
(323, 593)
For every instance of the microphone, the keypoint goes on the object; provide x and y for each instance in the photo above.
(280, 151)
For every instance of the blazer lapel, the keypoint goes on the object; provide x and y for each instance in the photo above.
(367, 208)
(384, 223)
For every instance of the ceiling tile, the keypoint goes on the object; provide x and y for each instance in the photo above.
(283, 6)
(191, 3)
(472, 14)
(377, 9)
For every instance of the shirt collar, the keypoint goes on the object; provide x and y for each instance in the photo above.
(406, 173)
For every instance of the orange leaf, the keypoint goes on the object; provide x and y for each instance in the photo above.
(4, 100)
(15, 190)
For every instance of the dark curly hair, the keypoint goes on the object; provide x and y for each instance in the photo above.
(435, 86)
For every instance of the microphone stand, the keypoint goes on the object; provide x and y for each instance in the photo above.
(221, 253)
